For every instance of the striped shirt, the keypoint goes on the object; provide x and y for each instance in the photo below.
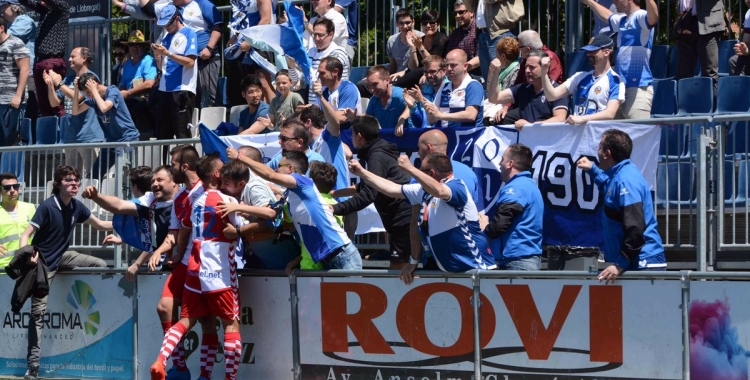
(591, 94)
(634, 40)
(316, 56)
(469, 93)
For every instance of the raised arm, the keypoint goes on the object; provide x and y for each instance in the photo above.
(653, 13)
(263, 171)
(429, 184)
(99, 224)
(390, 189)
(601, 11)
(112, 204)
(551, 92)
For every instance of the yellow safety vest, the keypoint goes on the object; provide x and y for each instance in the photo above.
(11, 230)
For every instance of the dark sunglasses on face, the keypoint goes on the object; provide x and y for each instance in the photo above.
(14, 187)
(460, 13)
(286, 139)
(429, 23)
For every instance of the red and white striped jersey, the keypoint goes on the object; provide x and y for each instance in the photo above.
(181, 208)
(211, 265)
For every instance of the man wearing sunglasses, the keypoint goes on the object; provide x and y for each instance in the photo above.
(14, 217)
(294, 136)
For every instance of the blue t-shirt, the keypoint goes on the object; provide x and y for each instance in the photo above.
(591, 94)
(81, 128)
(345, 96)
(634, 41)
(55, 224)
(24, 28)
(451, 228)
(116, 123)
(331, 149)
(145, 69)
(315, 223)
(311, 156)
(469, 93)
(388, 116)
(247, 119)
(628, 221)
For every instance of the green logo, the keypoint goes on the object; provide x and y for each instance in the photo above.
(81, 297)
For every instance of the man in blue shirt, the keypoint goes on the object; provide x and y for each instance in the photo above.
(631, 237)
(434, 78)
(458, 103)
(448, 220)
(597, 94)
(387, 101)
(293, 136)
(635, 36)
(256, 108)
(519, 215)
(342, 94)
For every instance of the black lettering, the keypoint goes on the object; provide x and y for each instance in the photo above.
(247, 316)
(247, 353)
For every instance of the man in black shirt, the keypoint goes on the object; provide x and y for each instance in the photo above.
(53, 226)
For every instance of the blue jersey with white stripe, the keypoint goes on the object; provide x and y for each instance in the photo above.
(629, 223)
(634, 41)
(317, 227)
(451, 227)
(176, 77)
(331, 149)
(591, 94)
(450, 100)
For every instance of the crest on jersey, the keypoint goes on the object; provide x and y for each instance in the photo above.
(598, 90)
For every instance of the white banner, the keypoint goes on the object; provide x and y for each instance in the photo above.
(382, 329)
(265, 327)
(87, 329)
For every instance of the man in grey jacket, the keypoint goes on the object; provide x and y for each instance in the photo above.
(704, 45)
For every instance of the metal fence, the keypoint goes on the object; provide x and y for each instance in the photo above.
(703, 160)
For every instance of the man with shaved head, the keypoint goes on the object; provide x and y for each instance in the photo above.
(458, 103)
(435, 141)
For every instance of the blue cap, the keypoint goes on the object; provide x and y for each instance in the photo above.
(166, 15)
(11, 2)
(601, 41)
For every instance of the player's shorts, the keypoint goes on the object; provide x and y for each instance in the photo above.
(223, 304)
(400, 246)
(175, 284)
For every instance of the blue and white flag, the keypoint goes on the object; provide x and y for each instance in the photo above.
(284, 38)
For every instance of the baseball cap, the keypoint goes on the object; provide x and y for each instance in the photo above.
(601, 41)
(9, 2)
(166, 15)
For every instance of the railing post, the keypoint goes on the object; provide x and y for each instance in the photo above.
(122, 163)
(476, 303)
(293, 300)
(702, 219)
(135, 327)
(720, 178)
(685, 285)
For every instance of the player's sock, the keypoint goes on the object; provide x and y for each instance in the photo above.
(209, 346)
(232, 352)
(171, 341)
(178, 354)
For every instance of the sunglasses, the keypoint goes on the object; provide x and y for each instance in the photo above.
(429, 23)
(286, 139)
(460, 13)
(14, 187)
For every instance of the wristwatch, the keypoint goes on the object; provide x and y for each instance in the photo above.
(57, 86)
(413, 261)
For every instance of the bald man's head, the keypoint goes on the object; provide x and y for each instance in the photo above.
(432, 141)
(456, 66)
(458, 55)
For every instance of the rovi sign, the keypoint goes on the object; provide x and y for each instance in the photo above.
(538, 338)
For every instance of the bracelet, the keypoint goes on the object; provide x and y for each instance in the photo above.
(413, 261)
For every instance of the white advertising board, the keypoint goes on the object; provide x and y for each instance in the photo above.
(265, 327)
(87, 329)
(359, 328)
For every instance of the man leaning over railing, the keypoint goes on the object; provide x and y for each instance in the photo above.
(631, 237)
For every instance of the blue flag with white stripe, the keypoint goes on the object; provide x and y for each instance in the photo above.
(284, 38)
(212, 143)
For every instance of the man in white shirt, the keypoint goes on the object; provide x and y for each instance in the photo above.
(324, 9)
(323, 36)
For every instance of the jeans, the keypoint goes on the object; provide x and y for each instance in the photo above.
(486, 49)
(348, 259)
(531, 263)
(70, 259)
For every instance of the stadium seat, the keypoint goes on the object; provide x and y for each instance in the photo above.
(577, 61)
(46, 130)
(659, 58)
(196, 116)
(726, 51)
(26, 135)
(675, 184)
(13, 162)
(740, 200)
(672, 143)
(64, 123)
(733, 95)
(737, 139)
(221, 92)
(673, 64)
(211, 117)
(664, 102)
(365, 102)
(234, 114)
(356, 74)
(695, 96)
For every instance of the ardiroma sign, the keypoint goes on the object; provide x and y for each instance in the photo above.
(380, 329)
